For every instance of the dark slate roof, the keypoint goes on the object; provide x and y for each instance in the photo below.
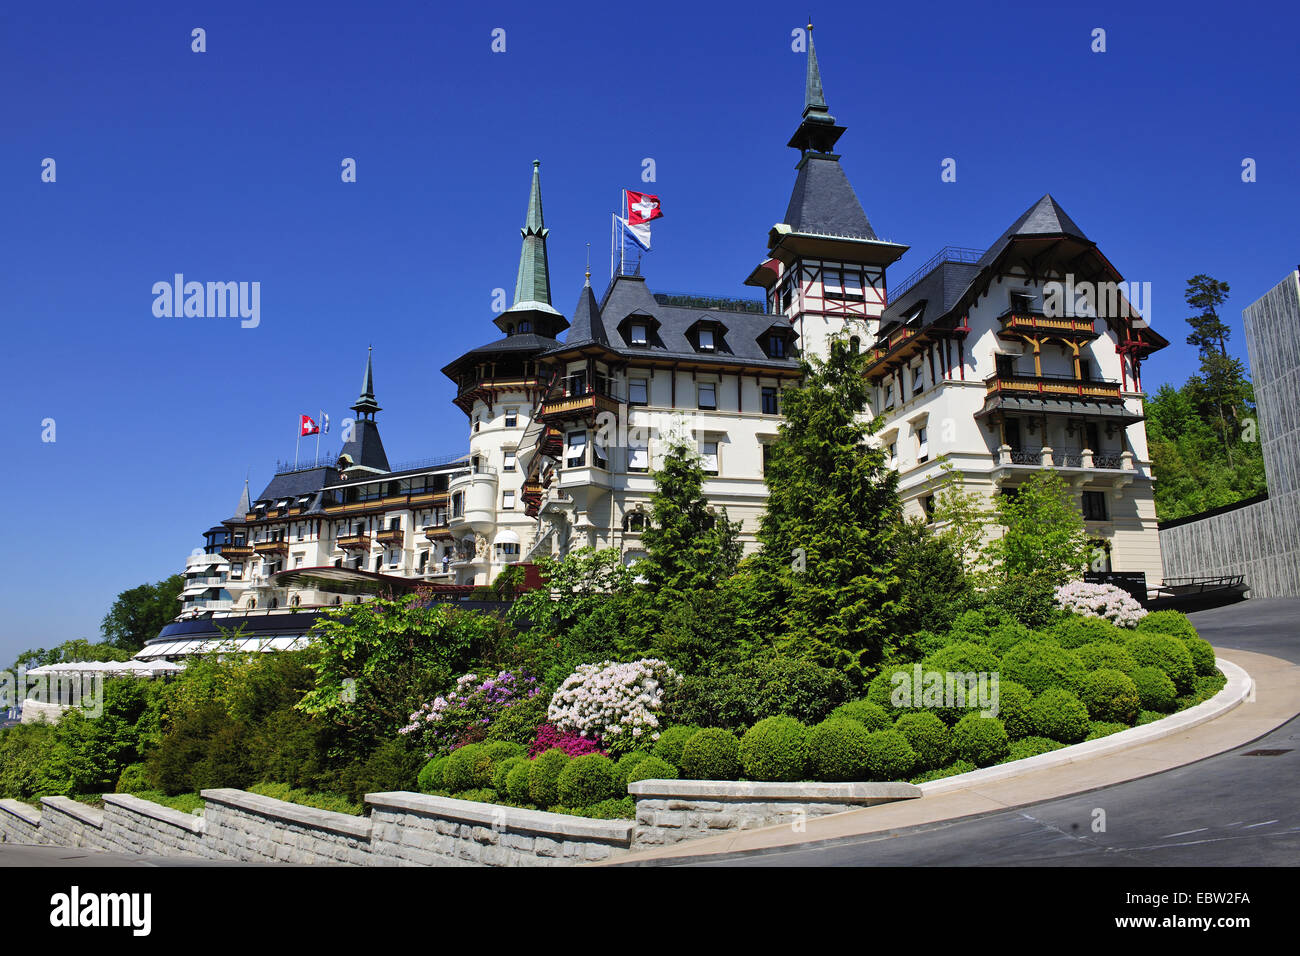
(1043, 218)
(824, 203)
(528, 342)
(587, 325)
(739, 345)
(939, 290)
(366, 448)
(296, 484)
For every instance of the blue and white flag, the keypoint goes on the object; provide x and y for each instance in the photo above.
(639, 233)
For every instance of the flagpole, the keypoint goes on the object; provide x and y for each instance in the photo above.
(296, 442)
(320, 417)
(622, 233)
(612, 217)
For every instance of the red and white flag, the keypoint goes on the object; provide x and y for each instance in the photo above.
(642, 207)
(308, 427)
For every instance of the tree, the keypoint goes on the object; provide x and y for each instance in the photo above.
(1221, 376)
(79, 649)
(832, 516)
(934, 587)
(1044, 533)
(140, 613)
(960, 517)
(689, 545)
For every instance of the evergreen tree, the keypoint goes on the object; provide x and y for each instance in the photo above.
(1044, 533)
(827, 567)
(1221, 375)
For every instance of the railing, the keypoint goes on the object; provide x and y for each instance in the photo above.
(946, 254)
(270, 547)
(354, 541)
(1107, 460)
(1067, 458)
(427, 463)
(1052, 386)
(291, 467)
(713, 303)
(1015, 318)
(390, 536)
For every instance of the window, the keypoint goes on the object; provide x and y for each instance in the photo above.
(767, 455)
(889, 395)
(853, 285)
(855, 344)
(476, 423)
(378, 561)
(1085, 369)
(787, 296)
(922, 444)
(577, 383)
(707, 395)
(776, 345)
(575, 455)
(638, 392)
(638, 334)
(458, 504)
(1093, 436)
(509, 463)
(297, 560)
(395, 524)
(918, 379)
(709, 456)
(927, 503)
(1011, 432)
(771, 404)
(1094, 506)
(525, 326)
(893, 454)
(1022, 302)
(508, 500)
(423, 562)
(706, 340)
(512, 417)
(638, 455)
(1006, 366)
(634, 522)
(599, 457)
(832, 284)
(507, 550)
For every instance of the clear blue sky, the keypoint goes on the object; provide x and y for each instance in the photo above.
(225, 166)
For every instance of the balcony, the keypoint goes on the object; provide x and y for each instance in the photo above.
(1052, 387)
(479, 502)
(278, 546)
(1017, 322)
(438, 530)
(1081, 459)
(391, 538)
(578, 400)
(235, 551)
(354, 542)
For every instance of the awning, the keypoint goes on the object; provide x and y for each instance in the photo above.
(506, 536)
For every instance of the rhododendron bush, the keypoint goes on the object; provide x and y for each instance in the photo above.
(1100, 600)
(463, 715)
(617, 702)
(571, 742)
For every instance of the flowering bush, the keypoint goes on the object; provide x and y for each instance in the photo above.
(618, 702)
(572, 743)
(463, 715)
(1100, 600)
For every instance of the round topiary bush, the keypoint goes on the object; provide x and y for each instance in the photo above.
(981, 740)
(1110, 695)
(929, 737)
(501, 775)
(1076, 630)
(517, 781)
(430, 777)
(670, 743)
(1060, 715)
(133, 779)
(773, 749)
(868, 713)
(544, 777)
(1002, 637)
(888, 756)
(964, 657)
(1032, 747)
(711, 754)
(1167, 622)
(1104, 728)
(467, 768)
(1148, 716)
(1167, 653)
(837, 750)
(627, 763)
(1040, 665)
(587, 780)
(954, 768)
(1094, 657)
(1013, 709)
(881, 689)
(1202, 655)
(652, 768)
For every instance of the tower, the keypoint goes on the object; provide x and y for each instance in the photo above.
(364, 452)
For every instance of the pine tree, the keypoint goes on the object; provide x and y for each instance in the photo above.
(831, 520)
(1221, 375)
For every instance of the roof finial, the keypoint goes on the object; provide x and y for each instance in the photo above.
(817, 132)
(533, 283)
(588, 282)
(366, 406)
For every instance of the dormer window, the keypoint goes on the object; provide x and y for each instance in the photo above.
(706, 340)
(524, 326)
(777, 342)
(776, 346)
(708, 335)
(637, 334)
(640, 330)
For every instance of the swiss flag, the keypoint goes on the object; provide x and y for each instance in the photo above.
(308, 426)
(642, 207)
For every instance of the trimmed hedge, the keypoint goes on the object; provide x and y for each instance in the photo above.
(627, 763)
(837, 749)
(587, 780)
(1077, 630)
(1013, 709)
(954, 768)
(711, 754)
(981, 740)
(868, 713)
(544, 777)
(1110, 695)
(670, 743)
(773, 749)
(1202, 655)
(962, 657)
(881, 689)
(1095, 657)
(468, 768)
(1166, 622)
(517, 782)
(430, 778)
(652, 768)
(1040, 665)
(1167, 653)
(1103, 728)
(1032, 747)
(1060, 715)
(888, 756)
(929, 737)
(501, 775)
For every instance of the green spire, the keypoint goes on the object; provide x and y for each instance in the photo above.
(817, 131)
(533, 286)
(813, 98)
(366, 406)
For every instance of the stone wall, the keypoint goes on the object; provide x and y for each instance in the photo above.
(19, 823)
(255, 829)
(132, 825)
(669, 811)
(65, 822)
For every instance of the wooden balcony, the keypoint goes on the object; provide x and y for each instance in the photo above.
(1016, 323)
(236, 551)
(552, 442)
(435, 532)
(391, 538)
(583, 407)
(271, 547)
(354, 542)
(1052, 387)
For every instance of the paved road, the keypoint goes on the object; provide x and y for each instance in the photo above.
(17, 854)
(1228, 810)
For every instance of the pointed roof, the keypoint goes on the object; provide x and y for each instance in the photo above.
(1043, 218)
(245, 504)
(533, 284)
(823, 202)
(588, 326)
(817, 131)
(365, 403)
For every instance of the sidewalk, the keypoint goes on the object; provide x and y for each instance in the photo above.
(1276, 700)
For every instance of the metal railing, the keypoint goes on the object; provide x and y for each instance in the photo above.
(961, 254)
(711, 303)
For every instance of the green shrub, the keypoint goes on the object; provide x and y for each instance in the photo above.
(616, 808)
(305, 798)
(499, 750)
(963, 657)
(929, 737)
(888, 756)
(1167, 653)
(880, 690)
(1167, 622)
(837, 749)
(517, 782)
(518, 723)
(501, 775)
(1077, 630)
(869, 714)
(1202, 655)
(1110, 695)
(981, 740)
(1040, 665)
(954, 768)
(1095, 657)
(587, 780)
(712, 754)
(184, 802)
(133, 779)
(544, 776)
(1147, 716)
(1028, 598)
(627, 763)
(1002, 637)
(1058, 714)
(479, 795)
(467, 768)
(1104, 728)
(431, 777)
(1013, 709)
(773, 749)
(652, 768)
(1210, 684)
(670, 743)
(1032, 747)
(754, 689)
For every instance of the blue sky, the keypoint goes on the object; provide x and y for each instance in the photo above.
(225, 165)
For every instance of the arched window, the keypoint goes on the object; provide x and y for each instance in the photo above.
(275, 602)
(295, 600)
(855, 343)
(634, 522)
(252, 604)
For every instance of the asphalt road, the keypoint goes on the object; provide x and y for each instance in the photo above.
(1228, 810)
